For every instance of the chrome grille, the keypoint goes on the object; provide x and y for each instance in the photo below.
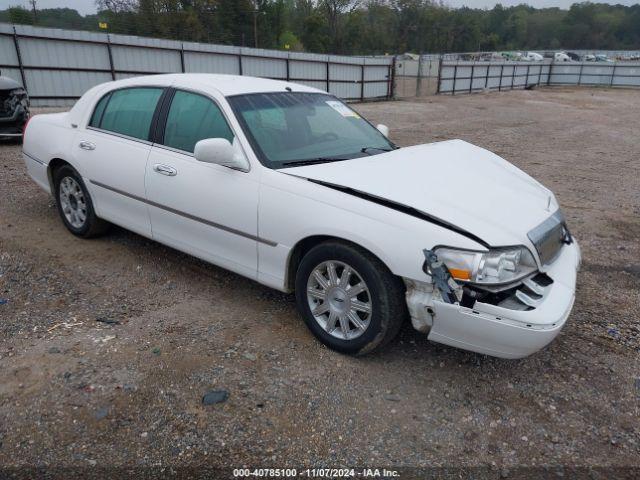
(548, 237)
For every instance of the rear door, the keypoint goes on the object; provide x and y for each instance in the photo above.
(113, 150)
(204, 209)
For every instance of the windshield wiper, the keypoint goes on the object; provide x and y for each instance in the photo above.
(366, 149)
(314, 161)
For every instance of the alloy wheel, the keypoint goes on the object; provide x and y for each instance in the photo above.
(339, 299)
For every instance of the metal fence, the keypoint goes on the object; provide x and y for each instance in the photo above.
(468, 77)
(58, 66)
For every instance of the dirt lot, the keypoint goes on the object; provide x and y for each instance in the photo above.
(78, 392)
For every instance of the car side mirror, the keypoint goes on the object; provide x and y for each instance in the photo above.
(383, 129)
(221, 152)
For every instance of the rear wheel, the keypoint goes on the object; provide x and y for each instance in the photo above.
(348, 298)
(74, 204)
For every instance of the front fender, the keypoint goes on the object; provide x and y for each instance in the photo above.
(292, 209)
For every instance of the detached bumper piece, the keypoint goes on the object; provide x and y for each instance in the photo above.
(518, 322)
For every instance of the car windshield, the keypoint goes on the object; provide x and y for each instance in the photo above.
(294, 128)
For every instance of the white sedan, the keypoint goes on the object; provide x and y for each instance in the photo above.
(289, 186)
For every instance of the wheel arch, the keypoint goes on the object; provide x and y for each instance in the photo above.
(306, 244)
(53, 165)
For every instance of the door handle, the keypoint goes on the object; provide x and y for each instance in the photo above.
(165, 170)
(87, 145)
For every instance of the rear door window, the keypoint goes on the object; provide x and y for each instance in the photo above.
(193, 117)
(128, 111)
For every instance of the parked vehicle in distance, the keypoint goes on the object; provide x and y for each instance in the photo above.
(491, 57)
(603, 58)
(14, 108)
(513, 56)
(289, 186)
(574, 56)
(561, 57)
(531, 57)
(589, 58)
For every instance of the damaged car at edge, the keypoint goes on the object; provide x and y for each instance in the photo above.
(14, 108)
(289, 186)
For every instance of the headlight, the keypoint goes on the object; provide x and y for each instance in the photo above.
(500, 265)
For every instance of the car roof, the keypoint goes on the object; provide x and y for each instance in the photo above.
(227, 85)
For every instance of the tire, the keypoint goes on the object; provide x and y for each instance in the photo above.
(383, 294)
(75, 205)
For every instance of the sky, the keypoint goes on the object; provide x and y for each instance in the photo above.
(88, 6)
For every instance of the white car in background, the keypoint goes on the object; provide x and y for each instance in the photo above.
(289, 186)
(561, 57)
(531, 57)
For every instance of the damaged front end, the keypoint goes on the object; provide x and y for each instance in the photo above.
(14, 108)
(511, 318)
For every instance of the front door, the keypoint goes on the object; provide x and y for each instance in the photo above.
(207, 210)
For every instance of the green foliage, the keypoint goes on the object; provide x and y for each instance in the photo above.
(356, 26)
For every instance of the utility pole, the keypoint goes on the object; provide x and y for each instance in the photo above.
(255, 28)
(35, 11)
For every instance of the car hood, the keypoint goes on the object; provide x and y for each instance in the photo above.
(454, 181)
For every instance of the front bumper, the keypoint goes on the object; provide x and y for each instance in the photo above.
(12, 125)
(506, 333)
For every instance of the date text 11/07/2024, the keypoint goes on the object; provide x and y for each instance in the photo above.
(316, 473)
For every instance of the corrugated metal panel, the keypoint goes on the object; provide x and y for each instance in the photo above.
(375, 90)
(206, 47)
(79, 35)
(320, 85)
(52, 102)
(52, 53)
(627, 75)
(345, 72)
(13, 73)
(264, 67)
(157, 43)
(51, 83)
(122, 76)
(315, 57)
(376, 72)
(307, 70)
(145, 60)
(211, 63)
(565, 73)
(345, 90)
(8, 51)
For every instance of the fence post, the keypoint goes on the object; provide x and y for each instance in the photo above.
(288, 73)
(501, 73)
(486, 78)
(526, 82)
(111, 67)
(240, 62)
(580, 74)
(328, 72)
(182, 56)
(16, 44)
(392, 79)
(362, 81)
(455, 77)
(419, 77)
(613, 74)
(439, 73)
(473, 68)
(550, 70)
(513, 75)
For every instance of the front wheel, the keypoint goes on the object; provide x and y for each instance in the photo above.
(74, 204)
(348, 298)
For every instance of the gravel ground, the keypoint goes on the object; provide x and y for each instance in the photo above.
(107, 346)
